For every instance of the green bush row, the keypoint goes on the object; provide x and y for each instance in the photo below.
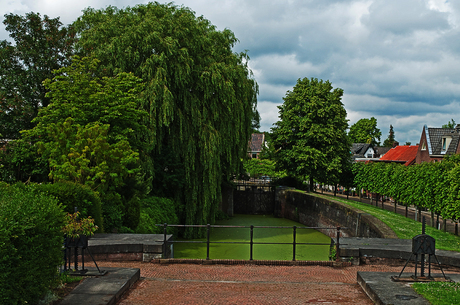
(30, 243)
(434, 185)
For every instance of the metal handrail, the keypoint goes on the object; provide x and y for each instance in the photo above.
(251, 242)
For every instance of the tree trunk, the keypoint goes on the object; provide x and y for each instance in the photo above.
(444, 225)
(396, 206)
(432, 219)
(406, 210)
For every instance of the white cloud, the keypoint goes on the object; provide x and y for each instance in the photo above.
(395, 60)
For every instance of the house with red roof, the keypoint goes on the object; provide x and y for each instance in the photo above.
(404, 154)
(256, 145)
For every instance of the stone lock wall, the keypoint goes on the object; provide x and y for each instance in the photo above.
(314, 211)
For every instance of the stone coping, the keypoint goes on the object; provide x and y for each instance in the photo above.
(103, 290)
(364, 248)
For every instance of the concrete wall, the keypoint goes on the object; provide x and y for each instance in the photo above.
(320, 212)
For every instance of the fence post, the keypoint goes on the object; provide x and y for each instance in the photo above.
(164, 239)
(251, 243)
(338, 244)
(293, 243)
(207, 241)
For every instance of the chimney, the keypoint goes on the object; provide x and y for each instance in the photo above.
(395, 143)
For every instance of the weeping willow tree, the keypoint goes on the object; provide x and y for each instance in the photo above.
(200, 95)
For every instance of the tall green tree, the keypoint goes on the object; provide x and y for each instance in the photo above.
(310, 138)
(41, 45)
(365, 131)
(200, 95)
(389, 142)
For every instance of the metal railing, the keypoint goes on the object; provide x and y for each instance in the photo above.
(251, 243)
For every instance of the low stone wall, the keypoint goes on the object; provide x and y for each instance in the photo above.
(127, 247)
(316, 211)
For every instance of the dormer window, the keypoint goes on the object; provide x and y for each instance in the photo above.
(423, 146)
(445, 143)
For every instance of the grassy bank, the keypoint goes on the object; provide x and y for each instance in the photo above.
(405, 228)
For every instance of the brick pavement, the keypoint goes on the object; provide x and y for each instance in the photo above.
(246, 284)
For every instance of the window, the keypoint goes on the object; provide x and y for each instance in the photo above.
(254, 156)
(445, 143)
(423, 146)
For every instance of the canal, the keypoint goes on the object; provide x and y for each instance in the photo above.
(265, 235)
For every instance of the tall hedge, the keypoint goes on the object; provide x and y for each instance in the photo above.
(30, 243)
(157, 210)
(73, 195)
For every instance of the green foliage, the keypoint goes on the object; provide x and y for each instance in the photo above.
(74, 225)
(200, 96)
(20, 161)
(30, 243)
(41, 45)
(450, 124)
(365, 131)
(439, 293)
(389, 142)
(113, 211)
(434, 186)
(310, 140)
(261, 167)
(156, 210)
(85, 156)
(73, 195)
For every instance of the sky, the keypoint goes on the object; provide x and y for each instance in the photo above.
(397, 61)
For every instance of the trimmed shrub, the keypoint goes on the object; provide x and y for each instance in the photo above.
(73, 195)
(30, 243)
(112, 211)
(157, 210)
(132, 213)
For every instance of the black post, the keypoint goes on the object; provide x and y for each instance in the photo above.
(207, 241)
(338, 243)
(293, 243)
(164, 240)
(422, 256)
(251, 243)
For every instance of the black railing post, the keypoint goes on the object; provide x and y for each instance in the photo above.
(293, 243)
(164, 240)
(207, 241)
(251, 243)
(338, 243)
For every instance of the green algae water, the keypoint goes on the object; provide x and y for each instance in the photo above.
(260, 252)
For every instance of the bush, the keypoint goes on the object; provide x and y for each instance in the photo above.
(30, 243)
(112, 211)
(132, 213)
(157, 210)
(73, 195)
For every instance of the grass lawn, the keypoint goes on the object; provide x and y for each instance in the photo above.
(261, 235)
(405, 228)
(439, 293)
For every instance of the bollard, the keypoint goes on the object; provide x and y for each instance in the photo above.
(251, 243)
(293, 243)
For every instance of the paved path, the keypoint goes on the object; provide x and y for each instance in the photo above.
(246, 284)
